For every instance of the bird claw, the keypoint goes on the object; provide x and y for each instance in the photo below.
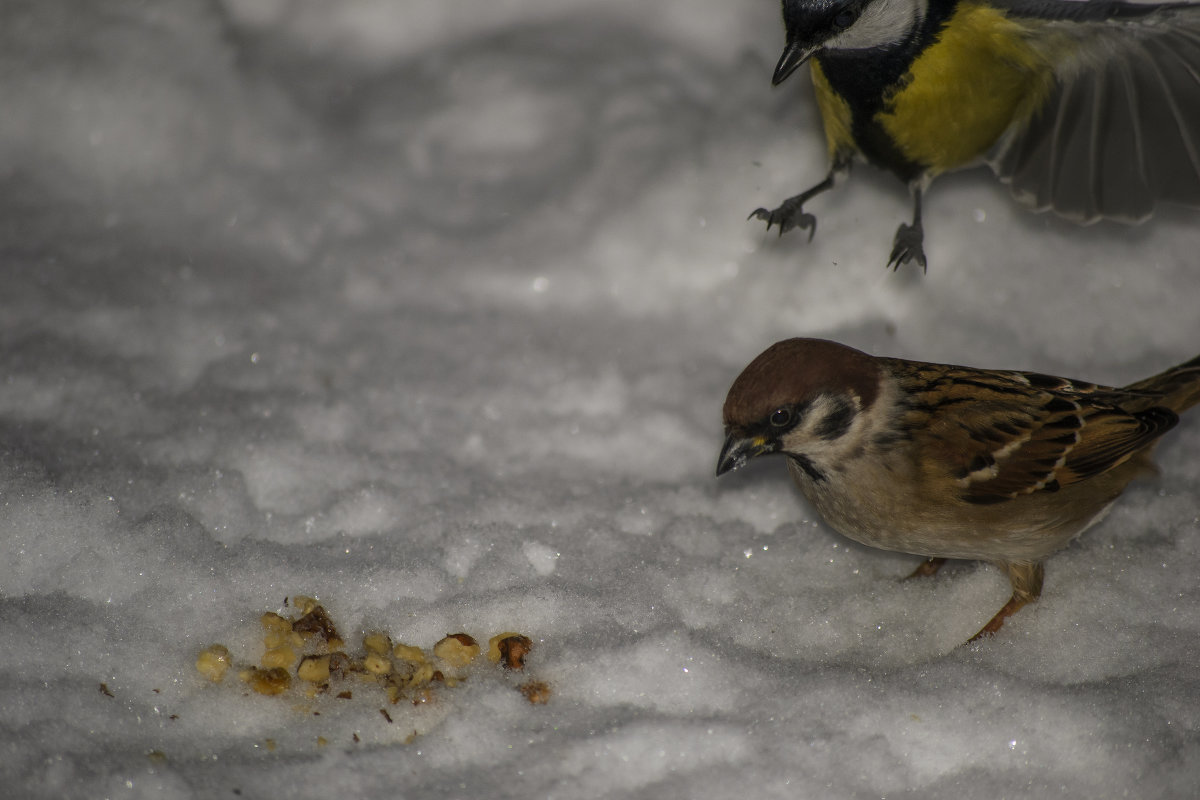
(908, 246)
(787, 217)
(997, 622)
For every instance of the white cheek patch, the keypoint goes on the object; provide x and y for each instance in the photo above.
(828, 423)
(883, 22)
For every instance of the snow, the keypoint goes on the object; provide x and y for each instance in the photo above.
(428, 311)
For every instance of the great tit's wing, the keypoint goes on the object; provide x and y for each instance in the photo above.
(1120, 128)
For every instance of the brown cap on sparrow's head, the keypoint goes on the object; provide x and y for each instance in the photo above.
(819, 383)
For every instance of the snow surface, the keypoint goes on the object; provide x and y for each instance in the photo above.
(428, 310)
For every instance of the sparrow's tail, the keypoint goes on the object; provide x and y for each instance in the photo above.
(1177, 389)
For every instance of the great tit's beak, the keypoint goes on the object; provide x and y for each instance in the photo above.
(793, 56)
(739, 449)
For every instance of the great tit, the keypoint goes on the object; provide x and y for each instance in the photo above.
(1090, 109)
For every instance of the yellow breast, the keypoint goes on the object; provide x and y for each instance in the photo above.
(964, 90)
(835, 115)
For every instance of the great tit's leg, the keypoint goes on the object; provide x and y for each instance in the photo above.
(791, 214)
(909, 242)
(1026, 580)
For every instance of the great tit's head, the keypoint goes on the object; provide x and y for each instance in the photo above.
(815, 25)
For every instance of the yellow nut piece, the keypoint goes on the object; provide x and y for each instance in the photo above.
(409, 654)
(213, 662)
(267, 681)
(304, 604)
(314, 669)
(283, 657)
(422, 676)
(377, 664)
(457, 649)
(273, 622)
(493, 652)
(377, 643)
(273, 639)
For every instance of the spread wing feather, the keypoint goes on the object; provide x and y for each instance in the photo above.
(1121, 128)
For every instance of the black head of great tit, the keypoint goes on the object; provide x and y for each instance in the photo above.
(1090, 109)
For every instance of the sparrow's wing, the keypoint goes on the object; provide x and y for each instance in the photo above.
(1177, 389)
(1000, 435)
(1120, 129)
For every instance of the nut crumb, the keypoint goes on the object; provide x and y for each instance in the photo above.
(513, 650)
(377, 643)
(213, 662)
(409, 654)
(377, 664)
(275, 623)
(316, 620)
(457, 649)
(314, 669)
(267, 681)
(536, 692)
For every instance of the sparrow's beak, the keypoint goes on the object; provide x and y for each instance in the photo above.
(793, 56)
(740, 449)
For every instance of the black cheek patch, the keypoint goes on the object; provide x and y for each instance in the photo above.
(809, 470)
(837, 421)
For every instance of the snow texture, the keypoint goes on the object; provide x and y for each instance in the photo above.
(428, 310)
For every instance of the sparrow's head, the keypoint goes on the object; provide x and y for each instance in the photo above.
(801, 397)
(814, 25)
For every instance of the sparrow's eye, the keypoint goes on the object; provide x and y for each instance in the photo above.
(781, 417)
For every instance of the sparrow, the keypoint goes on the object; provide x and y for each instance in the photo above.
(945, 461)
(1091, 109)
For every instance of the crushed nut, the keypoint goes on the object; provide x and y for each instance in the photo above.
(512, 650)
(314, 669)
(378, 643)
(305, 604)
(317, 621)
(283, 657)
(377, 664)
(213, 662)
(457, 649)
(536, 692)
(267, 681)
(409, 654)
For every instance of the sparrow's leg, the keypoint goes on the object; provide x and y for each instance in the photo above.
(909, 243)
(927, 568)
(791, 214)
(1026, 580)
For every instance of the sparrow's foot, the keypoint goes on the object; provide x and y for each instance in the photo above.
(908, 246)
(1026, 579)
(789, 215)
(1013, 605)
(927, 568)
